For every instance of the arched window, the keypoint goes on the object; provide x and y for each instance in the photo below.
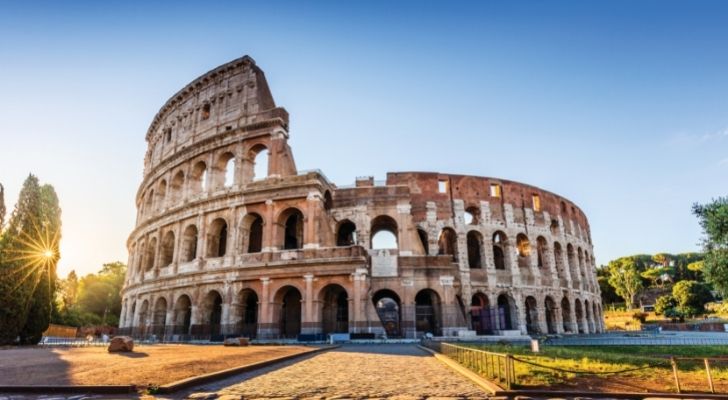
(176, 187)
(205, 114)
(524, 250)
(198, 178)
(253, 233)
(149, 258)
(424, 240)
(291, 221)
(474, 249)
(472, 216)
(168, 249)
(499, 244)
(149, 204)
(448, 243)
(217, 245)
(384, 233)
(346, 233)
(161, 194)
(189, 243)
(542, 251)
(225, 170)
(260, 162)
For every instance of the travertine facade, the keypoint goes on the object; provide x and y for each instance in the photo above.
(218, 250)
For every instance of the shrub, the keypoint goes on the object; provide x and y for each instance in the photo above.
(640, 316)
(664, 303)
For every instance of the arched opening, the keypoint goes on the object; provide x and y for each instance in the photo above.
(168, 249)
(248, 309)
(388, 307)
(160, 317)
(588, 317)
(505, 313)
(328, 201)
(292, 224)
(346, 233)
(289, 317)
(213, 314)
(566, 314)
(542, 252)
(448, 243)
(475, 249)
(524, 251)
(144, 317)
(149, 203)
(149, 257)
(384, 233)
(176, 187)
(189, 243)
(427, 312)
(481, 314)
(198, 177)
(182, 315)
(472, 216)
(550, 306)
(499, 244)
(217, 239)
(571, 257)
(161, 194)
(579, 316)
(559, 259)
(141, 259)
(253, 233)
(334, 310)
(260, 162)
(225, 170)
(532, 316)
(422, 234)
(597, 317)
(205, 114)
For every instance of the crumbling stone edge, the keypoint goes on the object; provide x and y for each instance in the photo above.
(200, 379)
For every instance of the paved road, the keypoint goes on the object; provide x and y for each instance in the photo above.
(351, 371)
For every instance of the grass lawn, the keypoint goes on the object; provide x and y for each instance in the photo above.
(658, 377)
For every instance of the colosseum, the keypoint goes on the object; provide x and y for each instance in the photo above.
(231, 239)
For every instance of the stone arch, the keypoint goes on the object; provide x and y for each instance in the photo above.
(500, 245)
(217, 238)
(447, 243)
(334, 302)
(566, 314)
(424, 240)
(475, 249)
(388, 306)
(161, 194)
(383, 232)
(579, 313)
(149, 203)
(507, 312)
(151, 251)
(260, 160)
(143, 316)
(580, 260)
(224, 170)
(588, 317)
(198, 176)
(182, 315)
(168, 249)
(247, 313)
(176, 188)
(551, 321)
(287, 312)
(481, 315)
(211, 313)
(346, 233)
(290, 226)
(428, 312)
(252, 233)
(523, 245)
(189, 243)
(559, 259)
(328, 200)
(571, 258)
(532, 322)
(472, 215)
(159, 319)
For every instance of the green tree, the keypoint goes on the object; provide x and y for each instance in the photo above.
(609, 296)
(625, 279)
(713, 219)
(690, 297)
(28, 258)
(2, 207)
(69, 291)
(664, 303)
(100, 294)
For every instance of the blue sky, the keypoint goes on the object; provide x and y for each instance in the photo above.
(620, 106)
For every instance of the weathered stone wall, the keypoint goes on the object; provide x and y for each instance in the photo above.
(215, 246)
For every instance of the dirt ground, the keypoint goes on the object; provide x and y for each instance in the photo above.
(147, 365)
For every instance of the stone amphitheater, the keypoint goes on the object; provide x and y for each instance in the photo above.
(231, 239)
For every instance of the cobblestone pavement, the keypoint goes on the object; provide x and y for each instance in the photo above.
(351, 371)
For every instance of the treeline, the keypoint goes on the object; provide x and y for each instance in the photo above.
(684, 281)
(93, 300)
(28, 259)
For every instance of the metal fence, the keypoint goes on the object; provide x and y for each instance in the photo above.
(496, 367)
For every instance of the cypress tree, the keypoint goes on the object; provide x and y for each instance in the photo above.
(27, 273)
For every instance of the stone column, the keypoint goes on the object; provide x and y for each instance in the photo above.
(559, 319)
(521, 312)
(265, 319)
(269, 228)
(542, 316)
(308, 323)
(574, 324)
(360, 276)
(201, 239)
(310, 237)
